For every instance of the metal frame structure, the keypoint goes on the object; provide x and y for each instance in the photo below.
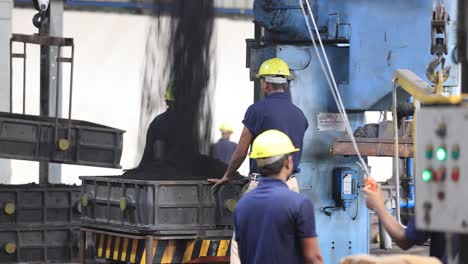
(45, 41)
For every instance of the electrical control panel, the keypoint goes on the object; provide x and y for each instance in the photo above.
(344, 186)
(442, 169)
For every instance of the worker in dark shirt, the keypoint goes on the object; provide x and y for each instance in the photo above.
(224, 148)
(407, 237)
(275, 111)
(160, 136)
(273, 224)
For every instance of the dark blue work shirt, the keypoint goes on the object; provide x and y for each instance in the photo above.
(276, 111)
(161, 128)
(223, 150)
(437, 248)
(270, 222)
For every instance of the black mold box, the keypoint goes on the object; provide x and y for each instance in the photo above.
(162, 207)
(29, 137)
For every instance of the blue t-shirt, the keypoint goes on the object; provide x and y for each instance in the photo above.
(277, 112)
(270, 222)
(437, 249)
(223, 150)
(160, 129)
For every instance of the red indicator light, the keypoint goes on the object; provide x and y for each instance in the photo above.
(455, 174)
(441, 196)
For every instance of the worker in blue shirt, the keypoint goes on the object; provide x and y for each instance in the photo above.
(275, 111)
(224, 148)
(159, 135)
(407, 237)
(273, 224)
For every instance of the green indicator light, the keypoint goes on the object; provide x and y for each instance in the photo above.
(429, 154)
(441, 154)
(456, 152)
(427, 175)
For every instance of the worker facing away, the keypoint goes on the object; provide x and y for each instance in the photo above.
(407, 237)
(159, 136)
(275, 111)
(273, 224)
(224, 148)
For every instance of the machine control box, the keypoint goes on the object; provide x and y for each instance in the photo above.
(442, 168)
(344, 186)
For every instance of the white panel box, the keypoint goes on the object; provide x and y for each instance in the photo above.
(442, 169)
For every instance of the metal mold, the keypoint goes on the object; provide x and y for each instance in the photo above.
(176, 207)
(30, 137)
(39, 205)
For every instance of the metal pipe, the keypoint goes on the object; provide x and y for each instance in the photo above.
(396, 158)
(409, 203)
(57, 93)
(71, 92)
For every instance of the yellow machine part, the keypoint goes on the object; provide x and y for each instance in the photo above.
(423, 91)
(9, 208)
(164, 251)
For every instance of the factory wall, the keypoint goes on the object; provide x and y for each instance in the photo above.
(109, 58)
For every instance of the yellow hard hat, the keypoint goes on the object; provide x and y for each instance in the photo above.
(169, 96)
(226, 127)
(274, 67)
(271, 143)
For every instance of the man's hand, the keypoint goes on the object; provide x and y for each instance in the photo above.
(218, 182)
(374, 199)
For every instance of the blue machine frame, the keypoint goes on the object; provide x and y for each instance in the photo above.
(382, 36)
(366, 41)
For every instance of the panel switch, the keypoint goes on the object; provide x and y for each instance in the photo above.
(441, 130)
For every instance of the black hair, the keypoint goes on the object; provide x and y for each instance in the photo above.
(273, 168)
(279, 86)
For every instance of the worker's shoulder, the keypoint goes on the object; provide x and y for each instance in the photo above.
(273, 104)
(286, 193)
(298, 199)
(169, 113)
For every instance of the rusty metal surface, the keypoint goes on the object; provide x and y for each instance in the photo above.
(374, 147)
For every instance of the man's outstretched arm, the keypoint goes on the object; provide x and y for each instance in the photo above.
(375, 201)
(237, 158)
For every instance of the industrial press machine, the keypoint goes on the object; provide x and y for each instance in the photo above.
(369, 45)
(374, 48)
